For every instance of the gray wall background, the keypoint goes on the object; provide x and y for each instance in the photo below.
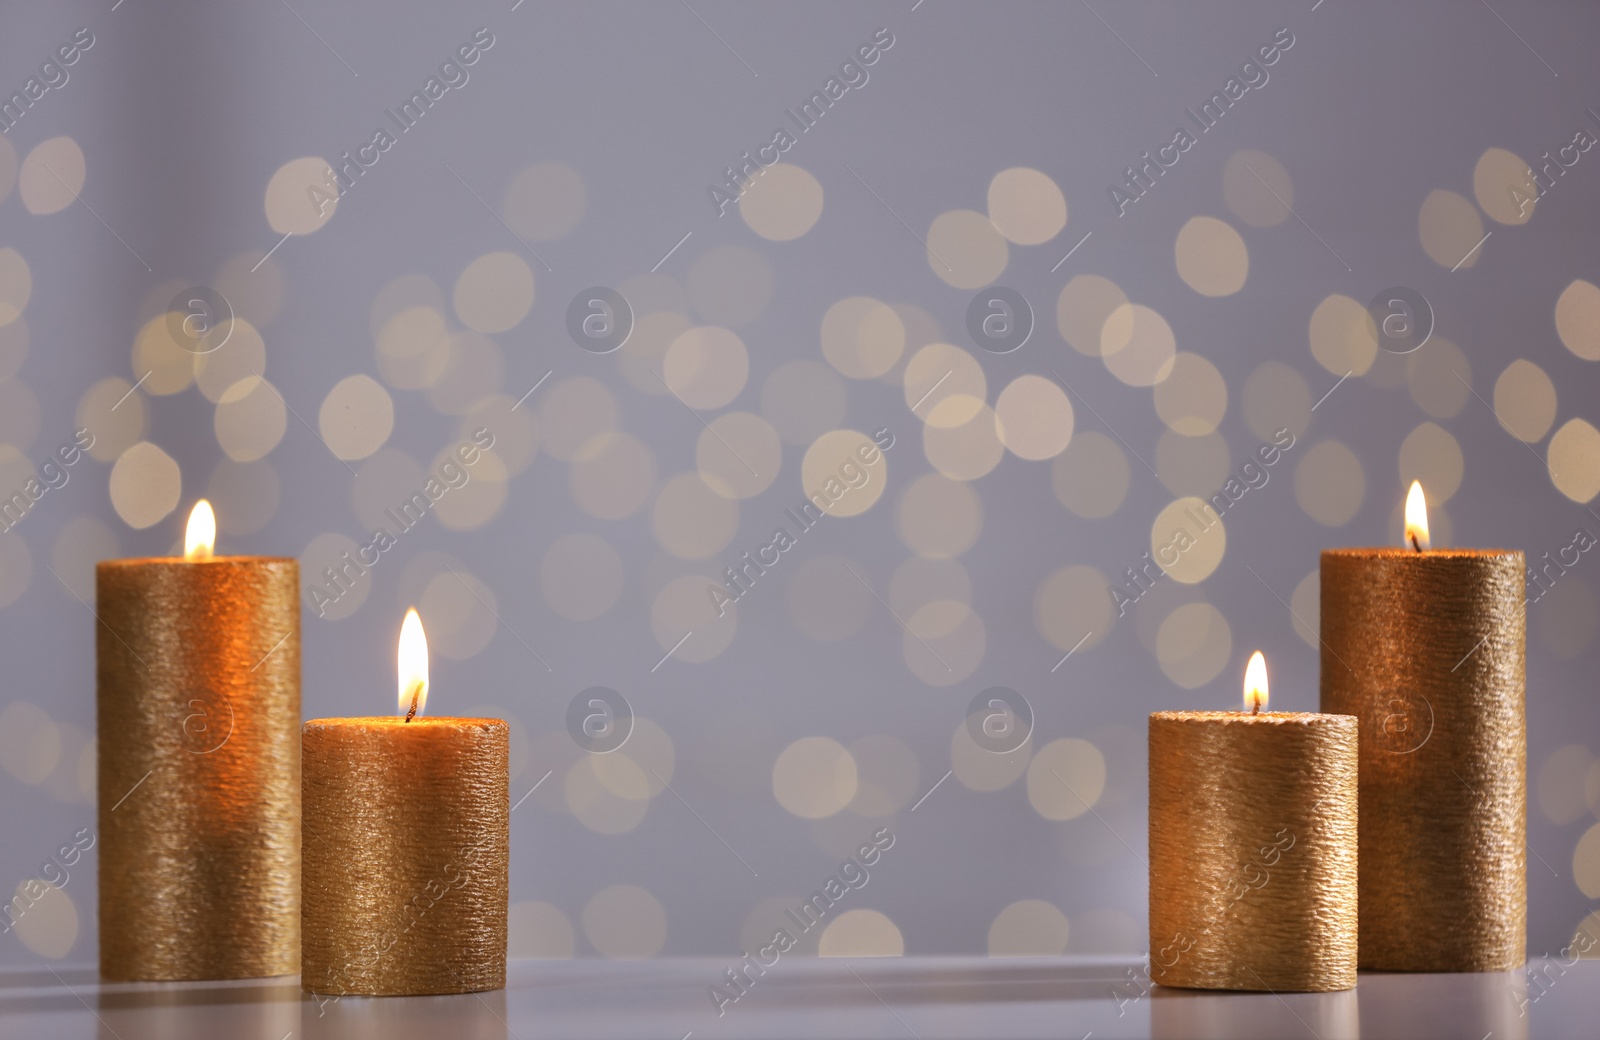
(184, 112)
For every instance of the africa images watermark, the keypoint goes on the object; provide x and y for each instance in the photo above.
(1253, 875)
(852, 75)
(1180, 540)
(20, 502)
(851, 476)
(1567, 156)
(34, 889)
(1543, 579)
(452, 75)
(53, 75)
(1540, 979)
(1253, 75)
(453, 474)
(401, 922)
(851, 876)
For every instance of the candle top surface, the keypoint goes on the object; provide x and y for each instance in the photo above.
(1391, 552)
(399, 721)
(1263, 718)
(145, 561)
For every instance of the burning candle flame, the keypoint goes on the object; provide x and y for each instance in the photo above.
(1416, 517)
(201, 533)
(1255, 683)
(413, 665)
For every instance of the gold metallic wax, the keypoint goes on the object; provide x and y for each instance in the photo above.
(1253, 850)
(407, 849)
(1427, 649)
(198, 708)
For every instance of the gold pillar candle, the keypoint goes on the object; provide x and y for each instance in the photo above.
(407, 848)
(197, 712)
(1426, 647)
(1253, 848)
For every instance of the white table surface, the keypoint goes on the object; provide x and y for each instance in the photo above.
(915, 997)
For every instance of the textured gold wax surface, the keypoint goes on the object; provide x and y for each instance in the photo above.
(407, 852)
(1253, 850)
(1427, 649)
(197, 713)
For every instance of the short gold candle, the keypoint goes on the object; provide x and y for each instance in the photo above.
(198, 713)
(1253, 850)
(407, 845)
(1427, 649)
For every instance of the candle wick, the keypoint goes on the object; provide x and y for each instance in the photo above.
(416, 692)
(1255, 706)
(1414, 544)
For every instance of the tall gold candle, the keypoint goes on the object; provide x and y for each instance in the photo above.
(1426, 647)
(1253, 847)
(197, 711)
(407, 847)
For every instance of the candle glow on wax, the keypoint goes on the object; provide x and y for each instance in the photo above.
(413, 665)
(1416, 518)
(201, 534)
(1255, 683)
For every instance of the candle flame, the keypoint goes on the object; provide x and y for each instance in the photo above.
(1416, 517)
(413, 665)
(201, 533)
(1255, 683)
